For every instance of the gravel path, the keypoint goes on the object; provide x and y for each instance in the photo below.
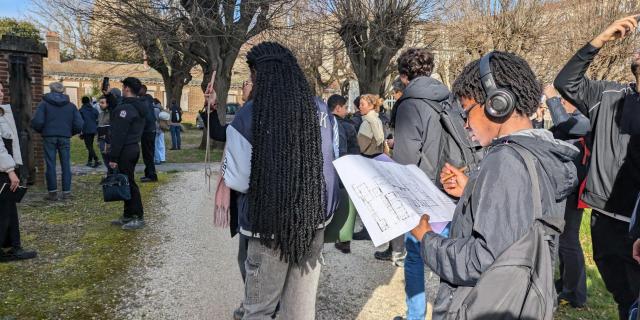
(165, 167)
(192, 273)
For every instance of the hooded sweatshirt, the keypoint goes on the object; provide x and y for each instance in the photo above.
(56, 116)
(90, 118)
(417, 125)
(495, 209)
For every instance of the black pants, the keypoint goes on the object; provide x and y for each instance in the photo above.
(612, 253)
(572, 284)
(88, 143)
(148, 144)
(9, 226)
(127, 165)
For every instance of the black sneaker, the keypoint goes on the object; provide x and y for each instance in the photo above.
(147, 179)
(21, 254)
(67, 196)
(133, 224)
(121, 221)
(89, 164)
(97, 163)
(344, 247)
(51, 196)
(361, 235)
(383, 255)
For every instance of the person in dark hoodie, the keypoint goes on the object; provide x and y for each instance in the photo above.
(57, 120)
(148, 142)
(279, 154)
(613, 180)
(89, 129)
(127, 126)
(495, 206)
(417, 141)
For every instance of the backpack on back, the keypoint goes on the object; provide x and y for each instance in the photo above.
(456, 148)
(519, 283)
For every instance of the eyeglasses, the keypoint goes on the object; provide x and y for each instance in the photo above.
(468, 111)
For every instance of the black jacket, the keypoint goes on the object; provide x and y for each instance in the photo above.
(348, 137)
(495, 209)
(150, 115)
(570, 128)
(613, 181)
(90, 118)
(127, 125)
(417, 125)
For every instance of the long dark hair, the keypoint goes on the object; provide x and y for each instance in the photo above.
(287, 187)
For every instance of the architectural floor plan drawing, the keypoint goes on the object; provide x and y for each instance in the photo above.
(390, 198)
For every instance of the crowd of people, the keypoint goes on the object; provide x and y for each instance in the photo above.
(520, 188)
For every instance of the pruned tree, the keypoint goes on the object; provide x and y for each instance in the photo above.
(373, 31)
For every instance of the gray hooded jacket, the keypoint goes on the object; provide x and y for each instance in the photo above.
(495, 209)
(417, 125)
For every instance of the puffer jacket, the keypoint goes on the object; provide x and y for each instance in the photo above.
(8, 163)
(56, 116)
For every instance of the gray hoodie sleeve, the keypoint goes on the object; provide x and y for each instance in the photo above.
(7, 164)
(500, 214)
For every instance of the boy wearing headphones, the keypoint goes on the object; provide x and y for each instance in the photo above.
(499, 93)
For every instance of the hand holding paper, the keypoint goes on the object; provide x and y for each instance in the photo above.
(422, 228)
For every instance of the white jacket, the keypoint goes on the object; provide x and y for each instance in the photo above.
(7, 162)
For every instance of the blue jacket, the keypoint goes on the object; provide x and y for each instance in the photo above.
(90, 117)
(56, 116)
(237, 163)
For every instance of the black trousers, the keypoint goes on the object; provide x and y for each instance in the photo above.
(88, 143)
(148, 145)
(9, 225)
(572, 284)
(127, 165)
(612, 253)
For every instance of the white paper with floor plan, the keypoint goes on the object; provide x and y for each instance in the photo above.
(389, 197)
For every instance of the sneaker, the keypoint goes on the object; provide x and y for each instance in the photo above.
(121, 221)
(52, 196)
(97, 163)
(238, 313)
(397, 258)
(133, 224)
(147, 179)
(21, 254)
(344, 247)
(89, 164)
(157, 163)
(361, 235)
(67, 196)
(383, 255)
(562, 301)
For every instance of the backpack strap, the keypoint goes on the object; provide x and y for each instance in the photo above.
(554, 223)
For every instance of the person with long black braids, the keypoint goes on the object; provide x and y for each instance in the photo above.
(279, 154)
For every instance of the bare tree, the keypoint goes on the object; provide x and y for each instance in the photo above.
(373, 31)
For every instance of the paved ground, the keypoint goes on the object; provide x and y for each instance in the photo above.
(192, 273)
(165, 167)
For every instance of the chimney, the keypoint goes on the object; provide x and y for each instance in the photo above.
(53, 47)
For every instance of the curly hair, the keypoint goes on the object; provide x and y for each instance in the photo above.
(287, 199)
(415, 62)
(509, 71)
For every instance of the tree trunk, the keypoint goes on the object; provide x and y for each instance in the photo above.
(173, 86)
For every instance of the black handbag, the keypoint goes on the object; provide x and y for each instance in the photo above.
(115, 187)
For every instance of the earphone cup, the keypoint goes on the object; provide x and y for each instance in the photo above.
(500, 104)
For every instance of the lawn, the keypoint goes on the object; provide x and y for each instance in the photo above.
(82, 261)
(188, 154)
(600, 304)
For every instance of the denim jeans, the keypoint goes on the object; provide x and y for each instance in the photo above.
(159, 150)
(61, 146)
(414, 278)
(271, 280)
(175, 137)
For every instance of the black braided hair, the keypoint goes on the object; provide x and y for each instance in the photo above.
(509, 71)
(287, 187)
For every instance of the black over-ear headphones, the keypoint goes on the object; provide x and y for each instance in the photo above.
(500, 102)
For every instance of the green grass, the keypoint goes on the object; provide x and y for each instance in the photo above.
(82, 260)
(600, 304)
(189, 153)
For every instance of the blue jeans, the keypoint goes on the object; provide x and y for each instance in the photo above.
(159, 150)
(62, 146)
(414, 278)
(175, 137)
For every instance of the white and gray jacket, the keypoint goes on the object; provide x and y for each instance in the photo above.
(8, 130)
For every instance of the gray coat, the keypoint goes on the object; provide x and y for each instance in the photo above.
(7, 162)
(495, 209)
(417, 125)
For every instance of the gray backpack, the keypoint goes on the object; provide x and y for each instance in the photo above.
(519, 283)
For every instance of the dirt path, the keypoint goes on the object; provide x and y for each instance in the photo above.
(192, 272)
